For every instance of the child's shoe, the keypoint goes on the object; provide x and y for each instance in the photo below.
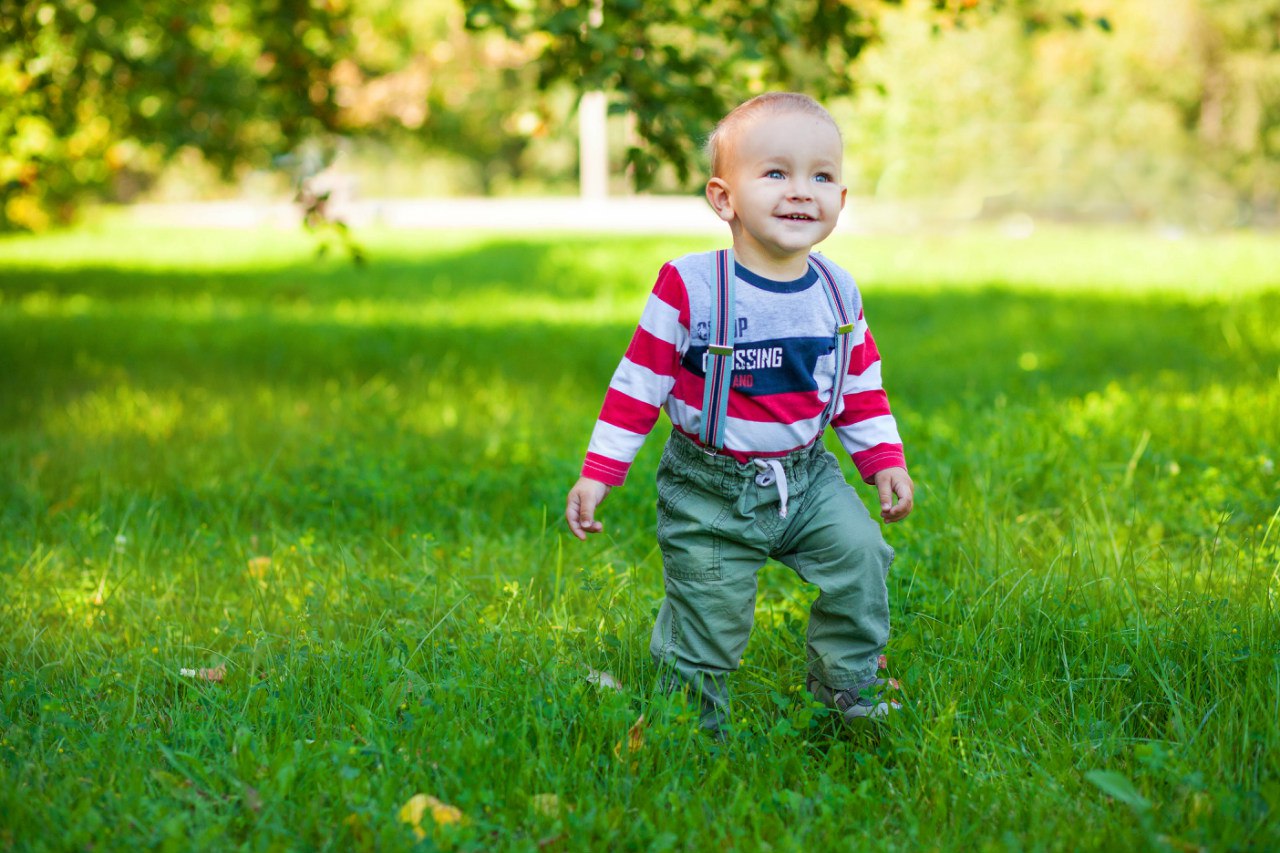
(874, 699)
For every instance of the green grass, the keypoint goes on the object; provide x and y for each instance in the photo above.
(1085, 601)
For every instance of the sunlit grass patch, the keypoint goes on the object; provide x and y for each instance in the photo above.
(341, 489)
(1118, 261)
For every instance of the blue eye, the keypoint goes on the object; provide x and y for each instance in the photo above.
(824, 177)
(774, 173)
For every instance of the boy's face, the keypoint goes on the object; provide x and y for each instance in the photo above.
(780, 191)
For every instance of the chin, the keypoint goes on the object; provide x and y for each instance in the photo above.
(793, 246)
(811, 232)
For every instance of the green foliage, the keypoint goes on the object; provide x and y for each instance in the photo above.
(1157, 111)
(1084, 602)
(90, 92)
(678, 67)
(472, 96)
(1170, 112)
(1166, 111)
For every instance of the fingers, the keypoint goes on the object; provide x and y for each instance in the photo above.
(579, 512)
(571, 515)
(891, 483)
(905, 491)
(884, 485)
(587, 520)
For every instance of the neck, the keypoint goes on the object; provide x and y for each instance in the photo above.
(785, 268)
(780, 268)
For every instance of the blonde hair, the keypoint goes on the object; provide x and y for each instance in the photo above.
(770, 103)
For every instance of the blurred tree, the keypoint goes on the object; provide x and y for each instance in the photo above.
(677, 66)
(90, 91)
(1174, 116)
(1155, 109)
(417, 72)
(1167, 112)
(1233, 109)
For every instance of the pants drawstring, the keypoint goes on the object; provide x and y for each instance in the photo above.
(770, 473)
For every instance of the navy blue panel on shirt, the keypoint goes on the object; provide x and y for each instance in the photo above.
(793, 286)
(779, 366)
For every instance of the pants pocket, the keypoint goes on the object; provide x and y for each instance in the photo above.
(687, 532)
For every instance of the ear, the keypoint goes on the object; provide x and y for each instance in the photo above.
(844, 191)
(718, 198)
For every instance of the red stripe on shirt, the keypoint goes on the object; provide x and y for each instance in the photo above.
(670, 289)
(862, 406)
(652, 352)
(776, 408)
(689, 388)
(628, 413)
(787, 408)
(863, 356)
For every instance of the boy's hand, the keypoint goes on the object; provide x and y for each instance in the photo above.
(580, 509)
(890, 482)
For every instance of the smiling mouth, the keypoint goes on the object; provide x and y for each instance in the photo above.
(798, 217)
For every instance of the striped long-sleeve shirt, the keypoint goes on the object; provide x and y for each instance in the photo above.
(783, 372)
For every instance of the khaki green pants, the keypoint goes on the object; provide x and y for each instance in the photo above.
(716, 528)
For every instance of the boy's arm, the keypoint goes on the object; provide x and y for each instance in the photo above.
(634, 400)
(867, 430)
(641, 383)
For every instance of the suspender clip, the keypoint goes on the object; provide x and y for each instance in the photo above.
(719, 350)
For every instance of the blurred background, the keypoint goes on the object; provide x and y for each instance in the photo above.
(1165, 113)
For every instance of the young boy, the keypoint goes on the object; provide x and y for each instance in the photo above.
(752, 353)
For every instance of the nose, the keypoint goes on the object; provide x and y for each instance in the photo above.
(799, 190)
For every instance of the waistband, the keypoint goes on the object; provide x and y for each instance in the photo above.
(689, 451)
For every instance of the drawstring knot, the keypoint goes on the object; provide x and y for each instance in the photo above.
(770, 473)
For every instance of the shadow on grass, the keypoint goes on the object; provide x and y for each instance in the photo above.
(380, 468)
(942, 351)
(568, 268)
(938, 348)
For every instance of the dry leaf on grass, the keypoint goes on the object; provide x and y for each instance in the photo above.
(421, 804)
(882, 663)
(603, 679)
(635, 739)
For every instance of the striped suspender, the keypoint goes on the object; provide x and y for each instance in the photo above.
(719, 369)
(844, 326)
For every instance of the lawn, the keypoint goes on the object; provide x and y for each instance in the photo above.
(338, 491)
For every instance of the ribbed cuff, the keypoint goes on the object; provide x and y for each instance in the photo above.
(873, 461)
(611, 472)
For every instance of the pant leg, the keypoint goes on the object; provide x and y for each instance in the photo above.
(834, 543)
(710, 560)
